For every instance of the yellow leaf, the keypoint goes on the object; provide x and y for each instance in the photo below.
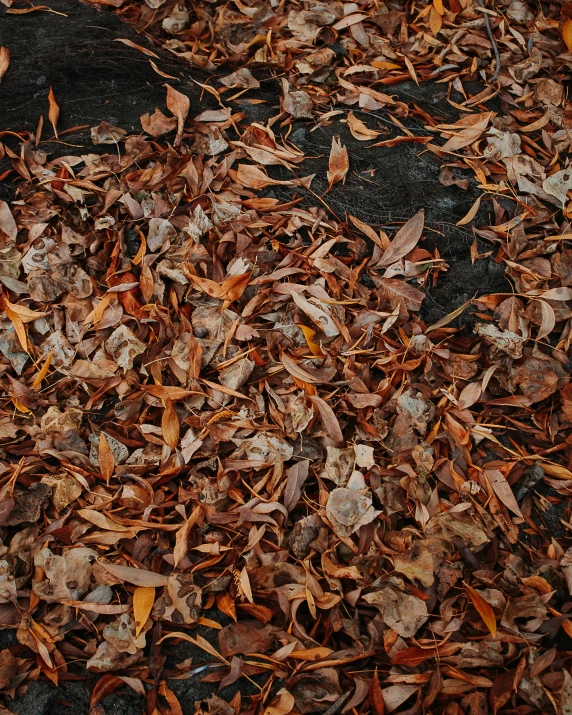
(143, 600)
(567, 34)
(438, 5)
(315, 349)
(19, 406)
(18, 327)
(435, 21)
(53, 111)
(24, 313)
(43, 372)
(105, 458)
(484, 609)
(170, 424)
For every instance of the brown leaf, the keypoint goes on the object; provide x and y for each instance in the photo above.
(170, 424)
(339, 163)
(53, 111)
(404, 240)
(7, 223)
(375, 695)
(105, 458)
(329, 419)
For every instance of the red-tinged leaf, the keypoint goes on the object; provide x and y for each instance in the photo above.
(4, 61)
(338, 163)
(375, 696)
(404, 240)
(170, 424)
(105, 458)
(178, 104)
(501, 691)
(53, 111)
(484, 609)
(106, 685)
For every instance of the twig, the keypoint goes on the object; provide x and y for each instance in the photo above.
(492, 39)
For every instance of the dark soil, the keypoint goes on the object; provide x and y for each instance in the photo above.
(95, 78)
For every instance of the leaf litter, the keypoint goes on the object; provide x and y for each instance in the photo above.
(209, 410)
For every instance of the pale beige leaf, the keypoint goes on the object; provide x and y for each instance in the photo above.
(339, 162)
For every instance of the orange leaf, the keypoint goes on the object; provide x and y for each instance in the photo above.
(567, 34)
(315, 349)
(143, 600)
(225, 603)
(43, 372)
(105, 458)
(484, 609)
(339, 162)
(53, 111)
(170, 424)
(375, 695)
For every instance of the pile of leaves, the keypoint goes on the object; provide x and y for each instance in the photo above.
(220, 408)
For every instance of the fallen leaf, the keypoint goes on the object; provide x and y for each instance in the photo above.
(339, 163)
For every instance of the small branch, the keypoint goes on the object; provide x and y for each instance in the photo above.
(493, 41)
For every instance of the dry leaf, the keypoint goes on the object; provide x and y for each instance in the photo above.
(484, 609)
(4, 61)
(170, 424)
(105, 458)
(404, 240)
(53, 111)
(143, 600)
(339, 163)
(178, 104)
